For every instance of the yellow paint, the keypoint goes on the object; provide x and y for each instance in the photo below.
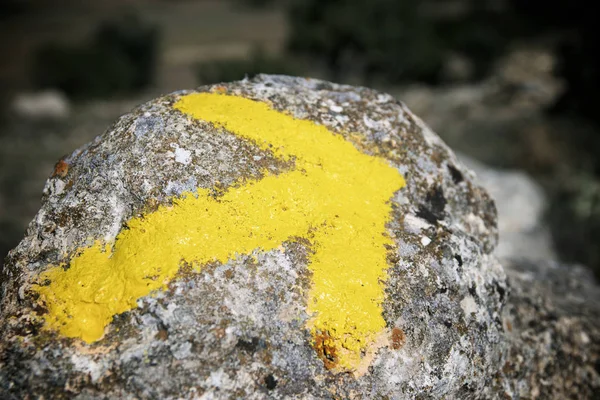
(336, 196)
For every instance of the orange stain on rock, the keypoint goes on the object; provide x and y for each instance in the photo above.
(61, 169)
(398, 338)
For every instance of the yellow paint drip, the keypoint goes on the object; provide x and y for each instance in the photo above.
(336, 196)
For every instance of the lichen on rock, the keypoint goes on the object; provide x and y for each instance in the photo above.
(275, 237)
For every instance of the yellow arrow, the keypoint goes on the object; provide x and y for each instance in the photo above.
(336, 197)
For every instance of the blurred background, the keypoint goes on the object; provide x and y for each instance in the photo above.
(509, 84)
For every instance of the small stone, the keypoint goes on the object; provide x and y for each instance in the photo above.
(48, 104)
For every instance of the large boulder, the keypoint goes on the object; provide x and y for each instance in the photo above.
(281, 237)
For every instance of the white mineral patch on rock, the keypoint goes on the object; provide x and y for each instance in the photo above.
(414, 224)
(87, 365)
(468, 305)
(425, 240)
(183, 156)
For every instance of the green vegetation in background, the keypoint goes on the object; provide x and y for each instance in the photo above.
(258, 4)
(575, 220)
(408, 40)
(575, 197)
(362, 39)
(378, 41)
(120, 58)
(396, 40)
(228, 70)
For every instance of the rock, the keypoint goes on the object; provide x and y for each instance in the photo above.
(501, 120)
(521, 203)
(48, 104)
(552, 331)
(280, 238)
(531, 73)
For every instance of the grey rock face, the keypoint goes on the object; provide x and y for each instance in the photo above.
(456, 326)
(552, 332)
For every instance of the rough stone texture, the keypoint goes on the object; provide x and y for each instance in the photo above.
(460, 328)
(552, 326)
